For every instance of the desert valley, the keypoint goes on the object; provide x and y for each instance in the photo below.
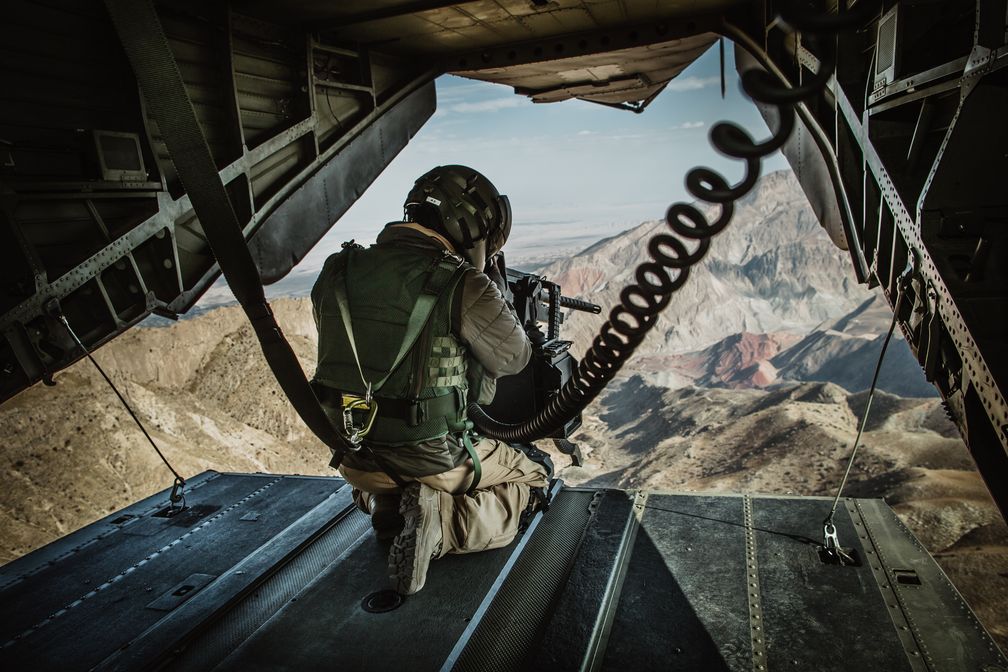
(753, 381)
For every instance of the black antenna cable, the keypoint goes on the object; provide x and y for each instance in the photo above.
(671, 258)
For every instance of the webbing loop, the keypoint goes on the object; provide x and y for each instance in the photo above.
(477, 467)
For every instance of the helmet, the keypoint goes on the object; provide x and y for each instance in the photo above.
(464, 206)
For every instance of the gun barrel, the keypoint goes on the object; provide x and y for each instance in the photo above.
(578, 304)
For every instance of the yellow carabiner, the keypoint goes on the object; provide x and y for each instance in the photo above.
(353, 403)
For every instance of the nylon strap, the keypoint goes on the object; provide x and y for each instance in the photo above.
(143, 38)
(416, 411)
(421, 312)
(477, 467)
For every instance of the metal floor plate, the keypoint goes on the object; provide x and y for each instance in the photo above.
(269, 573)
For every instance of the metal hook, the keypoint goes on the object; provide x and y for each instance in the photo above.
(831, 543)
(176, 500)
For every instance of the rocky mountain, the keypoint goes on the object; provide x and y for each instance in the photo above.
(773, 269)
(752, 382)
(843, 351)
(202, 389)
(787, 306)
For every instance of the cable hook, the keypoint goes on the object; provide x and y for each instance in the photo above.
(52, 307)
(176, 500)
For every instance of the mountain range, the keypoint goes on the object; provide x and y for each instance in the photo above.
(752, 381)
(773, 300)
(772, 269)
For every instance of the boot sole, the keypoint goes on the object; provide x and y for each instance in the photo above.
(407, 569)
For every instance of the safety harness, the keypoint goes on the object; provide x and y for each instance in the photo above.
(439, 365)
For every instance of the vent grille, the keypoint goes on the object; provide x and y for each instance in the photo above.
(238, 624)
(514, 620)
(885, 55)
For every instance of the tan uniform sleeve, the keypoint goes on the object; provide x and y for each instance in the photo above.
(490, 330)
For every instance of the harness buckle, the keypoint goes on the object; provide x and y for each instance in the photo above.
(417, 413)
(357, 430)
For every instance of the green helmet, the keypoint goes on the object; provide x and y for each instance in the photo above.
(464, 206)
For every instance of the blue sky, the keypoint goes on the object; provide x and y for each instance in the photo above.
(575, 172)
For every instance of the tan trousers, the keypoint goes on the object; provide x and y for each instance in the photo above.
(488, 519)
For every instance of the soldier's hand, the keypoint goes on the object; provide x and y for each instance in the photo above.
(497, 272)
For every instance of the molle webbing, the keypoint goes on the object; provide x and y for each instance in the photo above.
(447, 364)
(420, 396)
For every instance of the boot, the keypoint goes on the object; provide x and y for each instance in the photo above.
(419, 541)
(539, 498)
(538, 456)
(385, 517)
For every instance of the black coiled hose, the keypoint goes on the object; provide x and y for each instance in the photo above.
(671, 258)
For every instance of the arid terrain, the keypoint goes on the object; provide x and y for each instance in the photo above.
(762, 395)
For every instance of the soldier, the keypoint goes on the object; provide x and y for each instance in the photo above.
(410, 331)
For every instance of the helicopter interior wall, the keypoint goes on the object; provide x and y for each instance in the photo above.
(899, 155)
(98, 225)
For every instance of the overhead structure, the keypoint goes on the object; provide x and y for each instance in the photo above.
(303, 103)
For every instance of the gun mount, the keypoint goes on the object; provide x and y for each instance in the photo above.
(536, 301)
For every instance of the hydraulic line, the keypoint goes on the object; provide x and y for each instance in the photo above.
(673, 254)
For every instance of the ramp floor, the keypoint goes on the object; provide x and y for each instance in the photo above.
(266, 572)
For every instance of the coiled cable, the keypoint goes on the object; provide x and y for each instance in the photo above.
(671, 256)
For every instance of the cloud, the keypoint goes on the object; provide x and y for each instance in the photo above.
(692, 83)
(689, 124)
(492, 105)
(586, 132)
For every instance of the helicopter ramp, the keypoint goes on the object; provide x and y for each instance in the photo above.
(267, 572)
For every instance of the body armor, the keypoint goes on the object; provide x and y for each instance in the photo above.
(407, 362)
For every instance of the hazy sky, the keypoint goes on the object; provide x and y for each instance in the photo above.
(575, 172)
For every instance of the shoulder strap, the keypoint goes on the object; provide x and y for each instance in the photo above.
(168, 103)
(444, 270)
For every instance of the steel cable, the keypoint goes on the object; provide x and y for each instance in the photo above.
(178, 486)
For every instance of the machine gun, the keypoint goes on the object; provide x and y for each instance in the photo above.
(521, 396)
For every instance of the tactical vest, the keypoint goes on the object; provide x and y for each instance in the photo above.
(423, 397)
